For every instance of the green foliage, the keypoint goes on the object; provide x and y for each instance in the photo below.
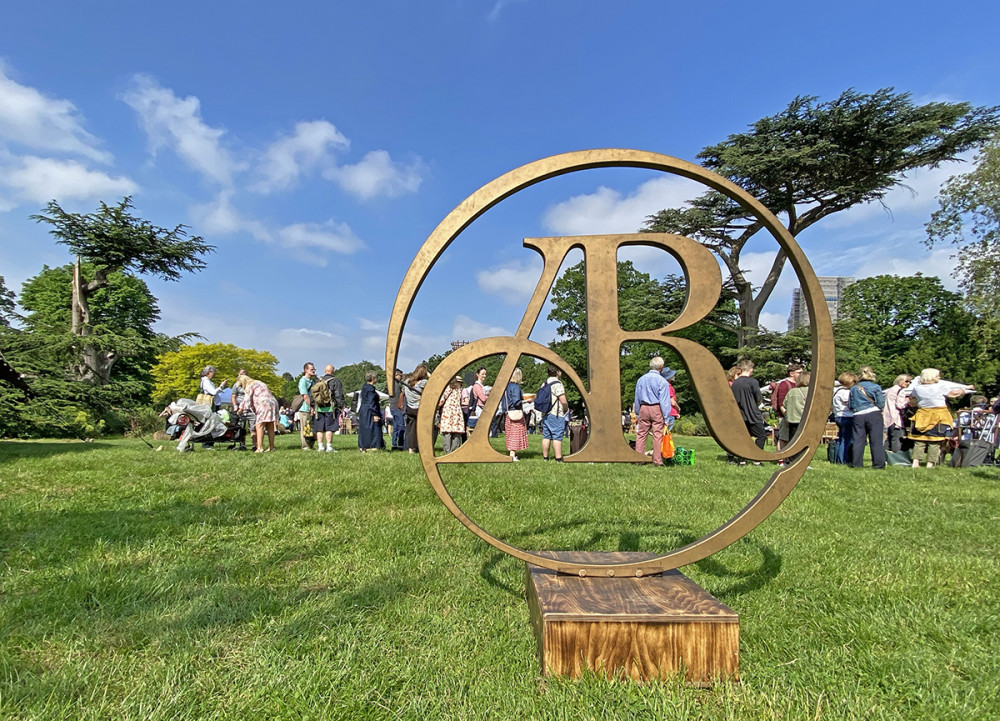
(178, 373)
(691, 425)
(969, 217)
(644, 303)
(352, 377)
(8, 310)
(825, 157)
(115, 239)
(904, 324)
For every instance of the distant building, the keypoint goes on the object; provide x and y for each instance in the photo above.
(456, 344)
(833, 290)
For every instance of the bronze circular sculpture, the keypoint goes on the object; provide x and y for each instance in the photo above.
(604, 339)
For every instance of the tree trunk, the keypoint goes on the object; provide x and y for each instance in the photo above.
(95, 365)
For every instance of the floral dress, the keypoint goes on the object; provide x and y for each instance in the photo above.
(263, 403)
(515, 432)
(452, 418)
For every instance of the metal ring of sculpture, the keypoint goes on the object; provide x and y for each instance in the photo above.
(605, 336)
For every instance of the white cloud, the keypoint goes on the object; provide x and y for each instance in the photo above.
(500, 5)
(378, 174)
(220, 217)
(42, 179)
(374, 344)
(310, 339)
(29, 118)
(608, 211)
(367, 324)
(918, 197)
(176, 122)
(336, 237)
(289, 157)
(887, 260)
(514, 281)
(465, 328)
(774, 321)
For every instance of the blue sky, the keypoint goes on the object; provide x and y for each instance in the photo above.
(317, 145)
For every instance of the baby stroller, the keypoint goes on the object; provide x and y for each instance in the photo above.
(192, 422)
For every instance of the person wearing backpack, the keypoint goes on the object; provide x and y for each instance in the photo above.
(328, 396)
(551, 402)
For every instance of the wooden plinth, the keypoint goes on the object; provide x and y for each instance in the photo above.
(643, 628)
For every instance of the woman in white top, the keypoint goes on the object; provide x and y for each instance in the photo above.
(207, 388)
(933, 423)
(843, 417)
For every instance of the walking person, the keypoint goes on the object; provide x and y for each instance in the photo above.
(516, 424)
(652, 406)
(328, 396)
(867, 402)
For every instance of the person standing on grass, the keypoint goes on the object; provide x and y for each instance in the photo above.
(329, 400)
(932, 424)
(843, 416)
(396, 404)
(554, 419)
(369, 416)
(413, 389)
(795, 403)
(867, 402)
(778, 402)
(258, 398)
(747, 393)
(304, 415)
(452, 424)
(652, 406)
(675, 409)
(515, 430)
(892, 415)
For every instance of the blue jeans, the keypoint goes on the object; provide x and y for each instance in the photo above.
(398, 429)
(845, 431)
(868, 425)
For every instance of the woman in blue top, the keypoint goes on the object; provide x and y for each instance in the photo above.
(867, 402)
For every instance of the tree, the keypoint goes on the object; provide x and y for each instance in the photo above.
(178, 373)
(644, 303)
(114, 240)
(8, 308)
(969, 217)
(122, 314)
(812, 160)
(904, 324)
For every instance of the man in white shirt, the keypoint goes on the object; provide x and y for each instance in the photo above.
(554, 422)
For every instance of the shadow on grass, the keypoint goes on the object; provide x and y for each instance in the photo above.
(650, 536)
(18, 450)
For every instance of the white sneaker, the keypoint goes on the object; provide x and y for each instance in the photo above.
(319, 447)
(331, 449)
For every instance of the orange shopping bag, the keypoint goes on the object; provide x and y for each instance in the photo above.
(667, 445)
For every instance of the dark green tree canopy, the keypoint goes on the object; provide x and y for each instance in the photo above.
(8, 308)
(812, 160)
(114, 239)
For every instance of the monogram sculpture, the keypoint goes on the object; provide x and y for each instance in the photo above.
(601, 390)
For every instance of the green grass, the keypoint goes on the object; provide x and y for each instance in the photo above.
(136, 584)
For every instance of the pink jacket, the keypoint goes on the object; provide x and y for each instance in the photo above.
(895, 401)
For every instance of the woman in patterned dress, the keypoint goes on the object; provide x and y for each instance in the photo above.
(452, 424)
(516, 431)
(258, 398)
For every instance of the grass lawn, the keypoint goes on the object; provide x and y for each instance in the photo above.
(136, 584)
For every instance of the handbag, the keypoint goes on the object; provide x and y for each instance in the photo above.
(205, 399)
(515, 414)
(667, 445)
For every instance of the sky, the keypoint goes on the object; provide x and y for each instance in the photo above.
(317, 145)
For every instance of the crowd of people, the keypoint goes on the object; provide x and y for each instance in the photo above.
(911, 415)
